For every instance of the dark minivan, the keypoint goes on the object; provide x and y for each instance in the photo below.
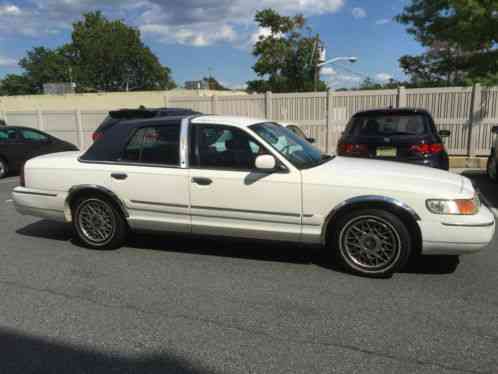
(405, 135)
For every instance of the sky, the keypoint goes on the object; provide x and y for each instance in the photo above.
(193, 37)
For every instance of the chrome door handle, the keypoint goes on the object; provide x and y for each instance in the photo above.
(119, 176)
(202, 181)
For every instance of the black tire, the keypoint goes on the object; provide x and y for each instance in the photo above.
(108, 221)
(362, 237)
(4, 168)
(491, 168)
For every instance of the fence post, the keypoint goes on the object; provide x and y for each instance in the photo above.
(475, 116)
(401, 99)
(166, 100)
(213, 104)
(79, 129)
(39, 119)
(268, 106)
(329, 119)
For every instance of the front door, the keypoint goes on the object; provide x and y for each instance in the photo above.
(230, 197)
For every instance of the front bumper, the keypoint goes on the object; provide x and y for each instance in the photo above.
(456, 235)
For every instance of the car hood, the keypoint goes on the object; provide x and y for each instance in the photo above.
(375, 175)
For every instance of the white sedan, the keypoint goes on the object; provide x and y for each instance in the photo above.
(251, 178)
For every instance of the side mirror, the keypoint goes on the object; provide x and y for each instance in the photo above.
(494, 129)
(266, 163)
(444, 133)
(311, 140)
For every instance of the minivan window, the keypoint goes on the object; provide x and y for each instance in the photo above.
(154, 145)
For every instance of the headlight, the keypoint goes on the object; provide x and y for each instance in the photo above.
(459, 206)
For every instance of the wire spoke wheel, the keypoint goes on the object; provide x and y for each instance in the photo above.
(96, 221)
(370, 242)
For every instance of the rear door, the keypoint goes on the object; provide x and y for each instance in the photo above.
(35, 143)
(12, 148)
(230, 197)
(150, 181)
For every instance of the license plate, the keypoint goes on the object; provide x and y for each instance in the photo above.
(387, 152)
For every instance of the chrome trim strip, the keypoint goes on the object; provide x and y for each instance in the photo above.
(104, 190)
(296, 215)
(160, 212)
(487, 224)
(244, 219)
(367, 199)
(159, 204)
(184, 142)
(35, 193)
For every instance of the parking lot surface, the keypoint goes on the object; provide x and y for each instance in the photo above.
(171, 304)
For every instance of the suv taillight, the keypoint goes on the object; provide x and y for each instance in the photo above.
(22, 179)
(346, 149)
(427, 149)
(97, 135)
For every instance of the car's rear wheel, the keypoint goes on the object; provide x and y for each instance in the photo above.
(371, 242)
(98, 223)
(491, 167)
(4, 168)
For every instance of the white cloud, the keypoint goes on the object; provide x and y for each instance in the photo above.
(359, 13)
(7, 62)
(193, 22)
(327, 70)
(9, 10)
(383, 77)
(383, 21)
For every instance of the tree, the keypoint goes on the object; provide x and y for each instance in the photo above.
(103, 55)
(213, 84)
(461, 37)
(286, 58)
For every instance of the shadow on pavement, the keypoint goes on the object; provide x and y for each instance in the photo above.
(486, 186)
(236, 248)
(27, 354)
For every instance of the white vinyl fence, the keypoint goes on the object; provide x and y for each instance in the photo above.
(468, 112)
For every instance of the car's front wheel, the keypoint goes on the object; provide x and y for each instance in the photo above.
(98, 223)
(371, 242)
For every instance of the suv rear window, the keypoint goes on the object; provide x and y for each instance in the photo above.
(388, 125)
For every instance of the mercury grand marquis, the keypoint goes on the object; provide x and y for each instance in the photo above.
(255, 179)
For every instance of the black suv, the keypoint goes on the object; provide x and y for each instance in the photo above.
(406, 135)
(117, 116)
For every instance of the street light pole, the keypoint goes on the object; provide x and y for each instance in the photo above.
(328, 62)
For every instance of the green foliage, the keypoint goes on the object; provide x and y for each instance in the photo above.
(461, 37)
(14, 84)
(103, 55)
(286, 58)
(213, 84)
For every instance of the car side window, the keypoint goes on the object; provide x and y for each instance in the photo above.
(7, 134)
(224, 147)
(33, 136)
(154, 145)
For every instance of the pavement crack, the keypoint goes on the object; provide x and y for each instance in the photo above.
(127, 306)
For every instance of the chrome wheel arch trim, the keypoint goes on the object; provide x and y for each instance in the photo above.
(89, 187)
(362, 200)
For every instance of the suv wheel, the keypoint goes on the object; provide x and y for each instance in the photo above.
(491, 167)
(4, 169)
(98, 223)
(371, 242)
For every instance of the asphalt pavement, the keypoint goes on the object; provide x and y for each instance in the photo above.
(172, 304)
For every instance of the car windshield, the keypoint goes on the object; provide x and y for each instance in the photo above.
(294, 148)
(389, 125)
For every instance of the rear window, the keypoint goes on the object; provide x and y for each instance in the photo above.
(388, 125)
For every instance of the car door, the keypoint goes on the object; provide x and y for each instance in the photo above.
(149, 180)
(34, 143)
(230, 197)
(12, 148)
